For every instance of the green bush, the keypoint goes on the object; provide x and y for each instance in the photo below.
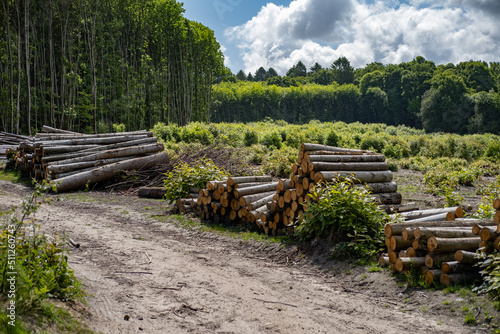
(271, 139)
(184, 177)
(348, 216)
(251, 137)
(332, 139)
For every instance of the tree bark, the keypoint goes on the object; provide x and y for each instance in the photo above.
(245, 179)
(466, 257)
(306, 147)
(459, 278)
(433, 259)
(397, 228)
(254, 190)
(407, 263)
(152, 192)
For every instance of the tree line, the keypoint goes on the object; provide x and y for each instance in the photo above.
(462, 98)
(84, 65)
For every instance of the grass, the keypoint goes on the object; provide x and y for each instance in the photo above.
(47, 319)
(14, 176)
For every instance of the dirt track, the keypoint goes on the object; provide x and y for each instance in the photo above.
(169, 279)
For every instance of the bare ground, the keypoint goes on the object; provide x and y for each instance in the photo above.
(147, 275)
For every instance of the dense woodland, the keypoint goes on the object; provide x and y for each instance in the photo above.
(95, 65)
(462, 98)
(87, 64)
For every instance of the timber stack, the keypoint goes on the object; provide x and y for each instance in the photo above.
(441, 244)
(75, 160)
(275, 206)
(234, 200)
(9, 143)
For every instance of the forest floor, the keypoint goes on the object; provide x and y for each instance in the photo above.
(146, 271)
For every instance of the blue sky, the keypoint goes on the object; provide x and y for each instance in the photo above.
(277, 34)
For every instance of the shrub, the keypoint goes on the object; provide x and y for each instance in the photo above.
(279, 163)
(346, 215)
(184, 177)
(332, 139)
(271, 139)
(251, 137)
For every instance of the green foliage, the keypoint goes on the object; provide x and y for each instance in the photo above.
(119, 127)
(40, 261)
(490, 193)
(490, 272)
(185, 177)
(279, 162)
(271, 139)
(345, 214)
(332, 139)
(250, 138)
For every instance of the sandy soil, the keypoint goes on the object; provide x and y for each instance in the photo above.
(168, 279)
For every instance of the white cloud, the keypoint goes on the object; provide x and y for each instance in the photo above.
(388, 32)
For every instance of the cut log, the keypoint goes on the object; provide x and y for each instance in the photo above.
(407, 263)
(306, 147)
(412, 252)
(387, 198)
(425, 233)
(116, 153)
(459, 278)
(397, 228)
(260, 202)
(447, 216)
(448, 245)
(255, 190)
(245, 179)
(381, 187)
(64, 168)
(90, 141)
(408, 233)
(449, 267)
(488, 233)
(497, 217)
(246, 200)
(397, 208)
(253, 215)
(435, 259)
(433, 275)
(346, 158)
(496, 203)
(357, 177)
(393, 256)
(466, 257)
(152, 192)
(397, 243)
(348, 166)
(106, 172)
(457, 211)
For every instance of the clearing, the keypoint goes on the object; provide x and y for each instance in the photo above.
(166, 274)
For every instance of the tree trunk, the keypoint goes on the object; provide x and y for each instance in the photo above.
(117, 153)
(448, 245)
(447, 216)
(466, 257)
(424, 233)
(387, 198)
(244, 179)
(255, 190)
(407, 263)
(457, 211)
(305, 147)
(258, 202)
(459, 278)
(109, 171)
(449, 267)
(345, 158)
(397, 228)
(347, 166)
(358, 177)
(152, 192)
(433, 259)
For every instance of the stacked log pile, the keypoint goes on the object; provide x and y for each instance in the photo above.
(321, 163)
(9, 143)
(237, 199)
(75, 160)
(441, 244)
(274, 207)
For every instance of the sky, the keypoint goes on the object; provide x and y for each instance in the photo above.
(279, 34)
